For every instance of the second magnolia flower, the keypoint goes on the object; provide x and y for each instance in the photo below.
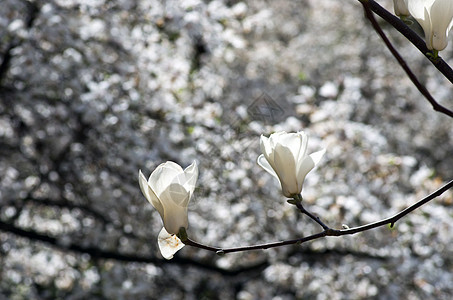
(169, 189)
(285, 157)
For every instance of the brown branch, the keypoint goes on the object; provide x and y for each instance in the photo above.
(329, 231)
(368, 6)
(309, 214)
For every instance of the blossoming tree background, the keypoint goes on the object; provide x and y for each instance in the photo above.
(92, 91)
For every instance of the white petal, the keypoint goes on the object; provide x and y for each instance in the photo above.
(174, 201)
(303, 147)
(317, 156)
(143, 184)
(292, 141)
(266, 148)
(285, 167)
(400, 8)
(149, 193)
(191, 174)
(175, 193)
(274, 138)
(417, 8)
(175, 217)
(168, 244)
(305, 166)
(441, 16)
(263, 163)
(420, 10)
(163, 176)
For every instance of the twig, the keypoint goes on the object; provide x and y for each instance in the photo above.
(298, 203)
(328, 232)
(369, 14)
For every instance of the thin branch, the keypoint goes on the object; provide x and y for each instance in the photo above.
(436, 106)
(312, 216)
(32, 13)
(329, 231)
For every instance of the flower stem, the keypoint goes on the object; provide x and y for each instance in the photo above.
(312, 216)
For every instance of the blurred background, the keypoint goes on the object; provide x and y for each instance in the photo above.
(93, 91)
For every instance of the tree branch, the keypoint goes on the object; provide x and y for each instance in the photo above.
(367, 6)
(309, 214)
(328, 231)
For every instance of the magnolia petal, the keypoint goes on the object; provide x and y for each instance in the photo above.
(149, 193)
(305, 166)
(285, 167)
(175, 200)
(293, 142)
(175, 193)
(275, 139)
(191, 174)
(263, 163)
(441, 16)
(425, 23)
(266, 149)
(419, 10)
(168, 244)
(143, 185)
(400, 8)
(164, 175)
(175, 217)
(316, 156)
(303, 147)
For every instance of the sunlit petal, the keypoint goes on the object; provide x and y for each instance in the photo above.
(149, 193)
(262, 162)
(168, 244)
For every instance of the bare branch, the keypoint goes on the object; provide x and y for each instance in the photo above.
(328, 231)
(306, 212)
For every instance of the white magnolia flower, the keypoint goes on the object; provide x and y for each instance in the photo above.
(169, 244)
(435, 17)
(169, 189)
(400, 7)
(285, 157)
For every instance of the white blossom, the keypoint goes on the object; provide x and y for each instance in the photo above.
(435, 17)
(285, 157)
(169, 189)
